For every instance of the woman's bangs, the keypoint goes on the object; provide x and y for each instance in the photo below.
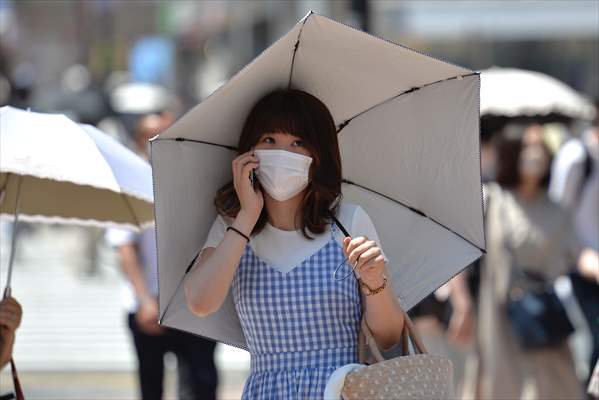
(283, 122)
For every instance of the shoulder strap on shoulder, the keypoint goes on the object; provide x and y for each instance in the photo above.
(340, 225)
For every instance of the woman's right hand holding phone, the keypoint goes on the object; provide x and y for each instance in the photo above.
(250, 199)
(207, 285)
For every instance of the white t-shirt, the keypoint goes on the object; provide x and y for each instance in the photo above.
(146, 253)
(284, 250)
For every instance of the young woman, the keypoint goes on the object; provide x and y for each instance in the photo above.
(276, 245)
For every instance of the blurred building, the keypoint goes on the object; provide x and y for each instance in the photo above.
(559, 38)
(212, 40)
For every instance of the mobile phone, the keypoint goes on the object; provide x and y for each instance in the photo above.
(254, 178)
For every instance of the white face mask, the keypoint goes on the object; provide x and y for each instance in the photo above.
(283, 174)
(533, 162)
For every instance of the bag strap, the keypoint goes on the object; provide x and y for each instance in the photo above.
(367, 339)
(15, 380)
(408, 334)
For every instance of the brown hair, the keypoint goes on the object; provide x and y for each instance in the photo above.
(509, 145)
(299, 113)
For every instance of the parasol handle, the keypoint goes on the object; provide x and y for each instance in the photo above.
(13, 244)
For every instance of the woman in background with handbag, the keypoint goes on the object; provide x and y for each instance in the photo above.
(527, 234)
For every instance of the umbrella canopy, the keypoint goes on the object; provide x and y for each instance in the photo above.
(511, 92)
(70, 173)
(408, 127)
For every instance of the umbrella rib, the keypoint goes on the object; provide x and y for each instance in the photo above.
(180, 139)
(3, 188)
(178, 286)
(126, 200)
(295, 48)
(413, 210)
(414, 89)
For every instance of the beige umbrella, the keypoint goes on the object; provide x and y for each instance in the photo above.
(512, 92)
(54, 170)
(408, 127)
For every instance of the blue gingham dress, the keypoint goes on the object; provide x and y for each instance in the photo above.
(300, 325)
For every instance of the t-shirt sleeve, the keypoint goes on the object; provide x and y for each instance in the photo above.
(119, 237)
(216, 233)
(362, 225)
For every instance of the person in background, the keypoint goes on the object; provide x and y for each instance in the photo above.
(10, 319)
(197, 375)
(521, 217)
(446, 318)
(575, 186)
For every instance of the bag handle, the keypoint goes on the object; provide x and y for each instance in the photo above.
(408, 333)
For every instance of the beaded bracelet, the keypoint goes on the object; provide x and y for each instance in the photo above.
(238, 231)
(377, 290)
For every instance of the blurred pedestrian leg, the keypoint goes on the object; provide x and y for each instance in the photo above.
(196, 371)
(93, 239)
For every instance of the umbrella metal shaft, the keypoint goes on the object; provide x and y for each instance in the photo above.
(13, 243)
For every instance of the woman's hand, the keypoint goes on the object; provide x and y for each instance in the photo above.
(10, 319)
(371, 262)
(147, 316)
(251, 200)
(460, 330)
(383, 312)
(588, 264)
(461, 325)
(10, 313)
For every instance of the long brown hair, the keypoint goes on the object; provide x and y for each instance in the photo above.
(301, 114)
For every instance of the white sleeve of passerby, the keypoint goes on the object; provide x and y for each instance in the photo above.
(216, 233)
(566, 173)
(119, 237)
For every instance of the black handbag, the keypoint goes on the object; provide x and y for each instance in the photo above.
(537, 316)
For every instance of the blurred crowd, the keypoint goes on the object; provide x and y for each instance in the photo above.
(541, 197)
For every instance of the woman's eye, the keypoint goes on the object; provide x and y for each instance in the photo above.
(268, 139)
(298, 143)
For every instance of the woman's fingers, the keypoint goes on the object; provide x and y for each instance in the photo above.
(10, 313)
(9, 307)
(247, 169)
(238, 163)
(9, 321)
(371, 262)
(366, 256)
(241, 169)
(353, 243)
(355, 253)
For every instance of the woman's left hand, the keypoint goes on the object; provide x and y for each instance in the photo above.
(371, 262)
